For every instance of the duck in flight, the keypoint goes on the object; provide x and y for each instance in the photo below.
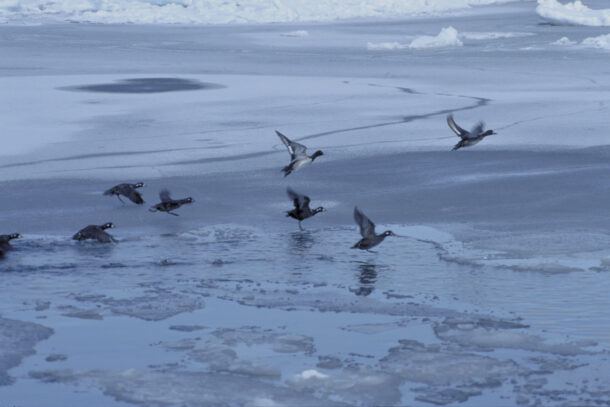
(95, 232)
(128, 190)
(301, 209)
(168, 204)
(468, 138)
(298, 155)
(367, 229)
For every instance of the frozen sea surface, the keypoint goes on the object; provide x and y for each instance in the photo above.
(496, 293)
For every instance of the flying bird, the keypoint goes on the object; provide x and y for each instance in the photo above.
(298, 155)
(367, 229)
(128, 190)
(468, 138)
(301, 209)
(168, 204)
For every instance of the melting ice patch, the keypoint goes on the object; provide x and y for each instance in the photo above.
(17, 340)
(573, 13)
(220, 11)
(447, 37)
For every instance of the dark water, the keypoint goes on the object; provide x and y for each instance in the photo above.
(146, 85)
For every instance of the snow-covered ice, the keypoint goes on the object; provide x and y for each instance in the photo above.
(220, 11)
(447, 37)
(495, 292)
(602, 42)
(575, 12)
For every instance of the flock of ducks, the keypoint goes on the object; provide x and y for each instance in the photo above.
(301, 211)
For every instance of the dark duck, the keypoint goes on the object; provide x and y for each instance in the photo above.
(367, 229)
(468, 138)
(127, 190)
(95, 232)
(298, 155)
(168, 204)
(5, 242)
(301, 209)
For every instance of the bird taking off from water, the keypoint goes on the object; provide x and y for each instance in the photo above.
(95, 232)
(367, 229)
(5, 241)
(298, 155)
(468, 138)
(301, 209)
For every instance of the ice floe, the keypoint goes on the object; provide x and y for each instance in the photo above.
(480, 36)
(220, 11)
(564, 41)
(572, 13)
(447, 37)
(17, 340)
(297, 33)
(601, 42)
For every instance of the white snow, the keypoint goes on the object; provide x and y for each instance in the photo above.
(297, 33)
(385, 46)
(573, 13)
(602, 42)
(479, 36)
(564, 41)
(310, 374)
(447, 37)
(221, 11)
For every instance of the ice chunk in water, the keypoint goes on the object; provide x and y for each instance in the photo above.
(17, 340)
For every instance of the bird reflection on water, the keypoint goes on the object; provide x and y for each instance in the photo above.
(366, 279)
(302, 240)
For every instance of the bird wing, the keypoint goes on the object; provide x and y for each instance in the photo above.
(111, 191)
(367, 227)
(477, 130)
(300, 201)
(104, 237)
(453, 126)
(164, 195)
(296, 150)
(134, 196)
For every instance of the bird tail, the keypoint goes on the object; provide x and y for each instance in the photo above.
(286, 170)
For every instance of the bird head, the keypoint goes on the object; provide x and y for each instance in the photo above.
(388, 233)
(107, 225)
(139, 185)
(316, 154)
